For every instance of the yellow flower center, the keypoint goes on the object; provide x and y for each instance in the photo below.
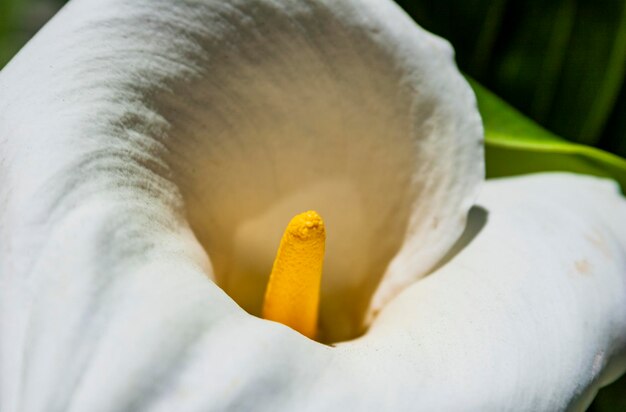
(293, 290)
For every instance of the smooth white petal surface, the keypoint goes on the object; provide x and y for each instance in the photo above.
(238, 115)
(130, 132)
(529, 315)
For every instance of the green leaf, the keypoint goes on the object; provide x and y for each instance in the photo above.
(516, 145)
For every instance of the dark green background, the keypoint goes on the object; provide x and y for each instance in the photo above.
(560, 62)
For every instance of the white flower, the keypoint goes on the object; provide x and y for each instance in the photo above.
(151, 154)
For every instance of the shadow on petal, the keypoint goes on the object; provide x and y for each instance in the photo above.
(476, 221)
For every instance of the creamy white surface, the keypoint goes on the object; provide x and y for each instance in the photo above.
(148, 150)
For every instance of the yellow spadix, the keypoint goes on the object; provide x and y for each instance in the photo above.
(293, 291)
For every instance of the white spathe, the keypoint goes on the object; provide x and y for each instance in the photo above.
(236, 116)
(155, 150)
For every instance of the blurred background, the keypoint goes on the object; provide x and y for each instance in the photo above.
(560, 62)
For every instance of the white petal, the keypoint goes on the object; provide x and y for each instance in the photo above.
(236, 116)
(530, 315)
(105, 303)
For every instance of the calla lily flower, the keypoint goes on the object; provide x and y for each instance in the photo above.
(151, 155)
